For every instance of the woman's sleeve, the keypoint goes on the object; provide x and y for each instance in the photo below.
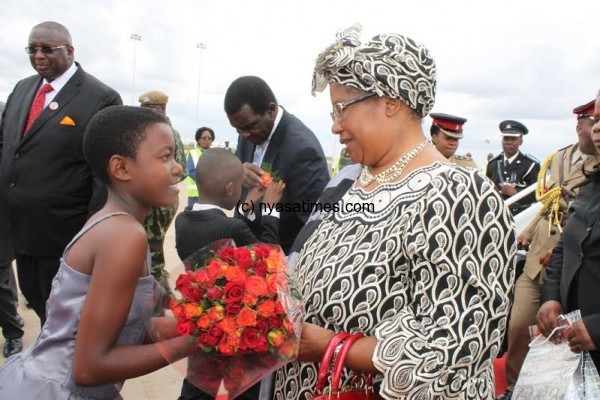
(461, 250)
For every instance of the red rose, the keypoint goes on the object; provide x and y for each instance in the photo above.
(227, 255)
(262, 251)
(252, 338)
(262, 324)
(216, 332)
(203, 278)
(260, 268)
(243, 257)
(233, 309)
(184, 280)
(207, 340)
(233, 292)
(275, 322)
(185, 327)
(214, 293)
(194, 294)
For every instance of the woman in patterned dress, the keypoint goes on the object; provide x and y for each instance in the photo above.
(417, 255)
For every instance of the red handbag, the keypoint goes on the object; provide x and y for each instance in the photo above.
(333, 360)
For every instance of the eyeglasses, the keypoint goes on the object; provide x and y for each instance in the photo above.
(207, 139)
(44, 49)
(339, 108)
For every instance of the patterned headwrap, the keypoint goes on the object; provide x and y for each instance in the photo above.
(390, 65)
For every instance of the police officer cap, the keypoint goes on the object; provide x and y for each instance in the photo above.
(450, 124)
(513, 128)
(153, 97)
(585, 110)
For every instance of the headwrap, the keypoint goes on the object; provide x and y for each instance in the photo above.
(390, 65)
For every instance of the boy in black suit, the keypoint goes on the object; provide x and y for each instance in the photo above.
(219, 176)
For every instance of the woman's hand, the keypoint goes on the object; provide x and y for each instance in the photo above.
(313, 342)
(579, 338)
(546, 318)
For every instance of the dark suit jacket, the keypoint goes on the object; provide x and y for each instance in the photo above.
(523, 172)
(573, 275)
(196, 229)
(297, 157)
(45, 182)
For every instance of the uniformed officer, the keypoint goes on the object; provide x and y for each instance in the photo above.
(542, 234)
(159, 218)
(446, 130)
(512, 170)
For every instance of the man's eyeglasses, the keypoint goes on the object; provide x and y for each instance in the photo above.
(44, 49)
(339, 108)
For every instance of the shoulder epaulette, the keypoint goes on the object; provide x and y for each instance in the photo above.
(530, 157)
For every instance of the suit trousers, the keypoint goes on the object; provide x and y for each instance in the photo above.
(523, 314)
(8, 310)
(35, 280)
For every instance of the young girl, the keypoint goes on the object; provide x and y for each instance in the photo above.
(101, 299)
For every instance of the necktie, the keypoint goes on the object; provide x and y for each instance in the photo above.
(37, 106)
(506, 163)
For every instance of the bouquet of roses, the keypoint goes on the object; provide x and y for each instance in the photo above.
(246, 311)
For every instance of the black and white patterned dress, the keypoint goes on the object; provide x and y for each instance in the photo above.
(428, 273)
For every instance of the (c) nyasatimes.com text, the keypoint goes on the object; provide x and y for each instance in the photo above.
(306, 207)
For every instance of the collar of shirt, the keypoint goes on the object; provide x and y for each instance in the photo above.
(262, 148)
(58, 83)
(576, 155)
(510, 160)
(204, 207)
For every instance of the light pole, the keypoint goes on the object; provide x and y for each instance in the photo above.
(136, 38)
(200, 46)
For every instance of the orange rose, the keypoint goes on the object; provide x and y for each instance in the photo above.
(276, 338)
(192, 310)
(215, 269)
(228, 325)
(288, 349)
(216, 313)
(235, 274)
(225, 348)
(249, 300)
(246, 317)
(266, 179)
(256, 285)
(276, 261)
(266, 308)
(204, 322)
(178, 309)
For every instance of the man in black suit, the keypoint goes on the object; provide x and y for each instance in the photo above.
(269, 135)
(45, 182)
(513, 171)
(10, 322)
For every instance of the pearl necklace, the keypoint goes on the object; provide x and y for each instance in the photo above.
(393, 172)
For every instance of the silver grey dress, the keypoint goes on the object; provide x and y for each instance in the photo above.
(44, 371)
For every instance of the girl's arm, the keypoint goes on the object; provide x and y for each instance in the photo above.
(118, 261)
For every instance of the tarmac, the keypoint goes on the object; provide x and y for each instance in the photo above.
(164, 384)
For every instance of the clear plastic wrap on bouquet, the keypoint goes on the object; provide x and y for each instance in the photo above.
(245, 309)
(553, 371)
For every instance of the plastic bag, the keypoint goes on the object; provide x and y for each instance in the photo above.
(553, 371)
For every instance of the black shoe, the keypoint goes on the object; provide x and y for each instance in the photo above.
(12, 346)
(507, 395)
(20, 321)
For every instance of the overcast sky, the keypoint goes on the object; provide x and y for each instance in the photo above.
(523, 60)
